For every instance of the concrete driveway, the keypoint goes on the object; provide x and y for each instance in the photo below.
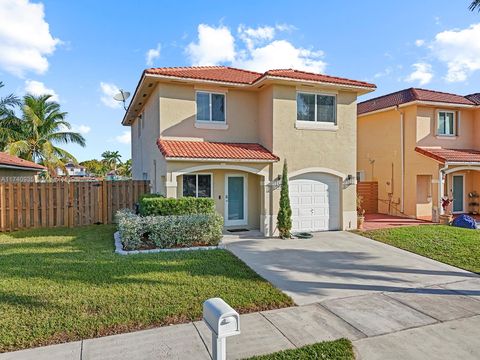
(340, 264)
(404, 306)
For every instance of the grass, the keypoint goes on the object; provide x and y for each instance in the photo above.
(329, 350)
(451, 245)
(59, 285)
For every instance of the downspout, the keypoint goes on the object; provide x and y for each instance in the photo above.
(402, 161)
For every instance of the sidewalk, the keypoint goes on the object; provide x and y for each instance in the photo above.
(436, 322)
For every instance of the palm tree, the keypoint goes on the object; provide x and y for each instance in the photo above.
(475, 5)
(41, 128)
(125, 169)
(111, 159)
(8, 121)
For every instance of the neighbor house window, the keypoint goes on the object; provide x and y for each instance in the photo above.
(446, 123)
(197, 185)
(210, 107)
(316, 108)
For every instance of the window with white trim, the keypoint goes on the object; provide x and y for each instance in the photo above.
(446, 123)
(197, 185)
(210, 107)
(316, 108)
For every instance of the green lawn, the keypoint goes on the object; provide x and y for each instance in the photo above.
(330, 350)
(59, 285)
(451, 245)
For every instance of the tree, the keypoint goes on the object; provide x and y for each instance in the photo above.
(94, 167)
(475, 5)
(125, 169)
(42, 127)
(284, 217)
(8, 121)
(111, 159)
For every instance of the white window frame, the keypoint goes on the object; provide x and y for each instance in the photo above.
(210, 93)
(196, 182)
(360, 175)
(455, 125)
(316, 125)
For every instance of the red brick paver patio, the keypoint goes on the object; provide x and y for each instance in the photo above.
(383, 221)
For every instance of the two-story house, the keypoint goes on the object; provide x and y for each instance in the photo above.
(224, 133)
(421, 146)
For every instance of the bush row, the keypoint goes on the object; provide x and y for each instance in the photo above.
(156, 205)
(140, 232)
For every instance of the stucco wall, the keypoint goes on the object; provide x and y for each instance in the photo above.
(4, 173)
(178, 110)
(379, 156)
(303, 149)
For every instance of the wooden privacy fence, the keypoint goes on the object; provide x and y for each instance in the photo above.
(368, 190)
(35, 205)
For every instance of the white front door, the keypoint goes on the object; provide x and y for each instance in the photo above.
(315, 202)
(235, 200)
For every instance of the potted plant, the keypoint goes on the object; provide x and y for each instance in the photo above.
(447, 217)
(360, 213)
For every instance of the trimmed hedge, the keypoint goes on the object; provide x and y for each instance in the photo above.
(140, 232)
(161, 206)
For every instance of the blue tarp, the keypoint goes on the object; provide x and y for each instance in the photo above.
(465, 221)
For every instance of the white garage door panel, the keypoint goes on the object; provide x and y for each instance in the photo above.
(315, 202)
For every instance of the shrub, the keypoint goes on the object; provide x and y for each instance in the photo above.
(284, 217)
(182, 206)
(169, 231)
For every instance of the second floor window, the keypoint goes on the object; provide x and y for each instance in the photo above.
(446, 123)
(210, 107)
(316, 107)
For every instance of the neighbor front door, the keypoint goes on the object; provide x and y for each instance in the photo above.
(458, 194)
(235, 200)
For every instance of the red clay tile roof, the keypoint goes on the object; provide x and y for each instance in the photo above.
(10, 160)
(451, 155)
(408, 95)
(240, 76)
(474, 97)
(303, 75)
(214, 150)
(212, 73)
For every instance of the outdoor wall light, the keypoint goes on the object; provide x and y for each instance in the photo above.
(349, 180)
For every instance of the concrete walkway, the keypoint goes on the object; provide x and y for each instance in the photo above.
(383, 221)
(392, 304)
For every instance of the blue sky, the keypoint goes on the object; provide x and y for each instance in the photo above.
(83, 50)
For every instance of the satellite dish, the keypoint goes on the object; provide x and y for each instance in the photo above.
(122, 96)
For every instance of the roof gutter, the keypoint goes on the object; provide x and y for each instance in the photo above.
(171, 158)
(3, 166)
(417, 102)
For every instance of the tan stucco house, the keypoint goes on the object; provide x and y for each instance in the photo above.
(224, 133)
(15, 169)
(421, 146)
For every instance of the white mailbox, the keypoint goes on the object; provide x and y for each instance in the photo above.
(223, 321)
(221, 318)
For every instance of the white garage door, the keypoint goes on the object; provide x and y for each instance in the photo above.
(315, 202)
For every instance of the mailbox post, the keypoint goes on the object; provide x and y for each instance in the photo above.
(223, 321)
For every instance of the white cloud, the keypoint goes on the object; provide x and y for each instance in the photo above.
(460, 50)
(108, 91)
(215, 45)
(38, 88)
(281, 54)
(419, 42)
(82, 129)
(25, 39)
(260, 51)
(422, 73)
(152, 55)
(125, 138)
(387, 71)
